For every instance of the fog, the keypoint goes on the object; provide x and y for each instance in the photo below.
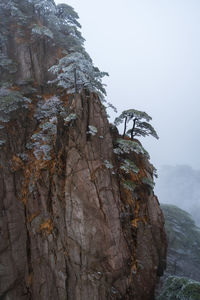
(179, 185)
(151, 50)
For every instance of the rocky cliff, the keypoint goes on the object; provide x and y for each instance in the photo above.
(74, 223)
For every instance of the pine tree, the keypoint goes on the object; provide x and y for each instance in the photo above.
(76, 71)
(68, 14)
(44, 7)
(68, 22)
(140, 126)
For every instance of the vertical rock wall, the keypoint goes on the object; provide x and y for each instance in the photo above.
(68, 227)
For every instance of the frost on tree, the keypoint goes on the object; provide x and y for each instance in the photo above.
(140, 125)
(76, 71)
(68, 14)
(62, 20)
(128, 166)
(69, 24)
(128, 146)
(42, 7)
(42, 31)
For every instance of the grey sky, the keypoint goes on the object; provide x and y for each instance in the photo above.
(151, 50)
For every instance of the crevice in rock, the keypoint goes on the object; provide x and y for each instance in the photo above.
(88, 136)
(28, 256)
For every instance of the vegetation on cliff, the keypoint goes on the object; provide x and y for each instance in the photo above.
(180, 288)
(140, 126)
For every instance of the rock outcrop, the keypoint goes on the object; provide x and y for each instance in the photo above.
(73, 223)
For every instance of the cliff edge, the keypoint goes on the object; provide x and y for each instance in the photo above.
(73, 223)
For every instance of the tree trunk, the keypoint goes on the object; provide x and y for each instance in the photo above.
(75, 81)
(125, 122)
(133, 128)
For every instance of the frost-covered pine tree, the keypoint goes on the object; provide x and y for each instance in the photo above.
(62, 19)
(69, 22)
(76, 71)
(140, 126)
(44, 7)
(67, 14)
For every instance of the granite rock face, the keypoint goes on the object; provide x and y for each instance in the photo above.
(69, 228)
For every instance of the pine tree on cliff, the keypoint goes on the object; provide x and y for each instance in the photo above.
(62, 19)
(76, 71)
(140, 126)
(69, 24)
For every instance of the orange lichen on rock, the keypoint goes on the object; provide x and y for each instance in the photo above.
(47, 226)
(24, 191)
(93, 174)
(138, 218)
(30, 279)
(33, 170)
(17, 163)
(47, 96)
(134, 265)
(137, 178)
(15, 88)
(33, 216)
(128, 197)
(135, 221)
